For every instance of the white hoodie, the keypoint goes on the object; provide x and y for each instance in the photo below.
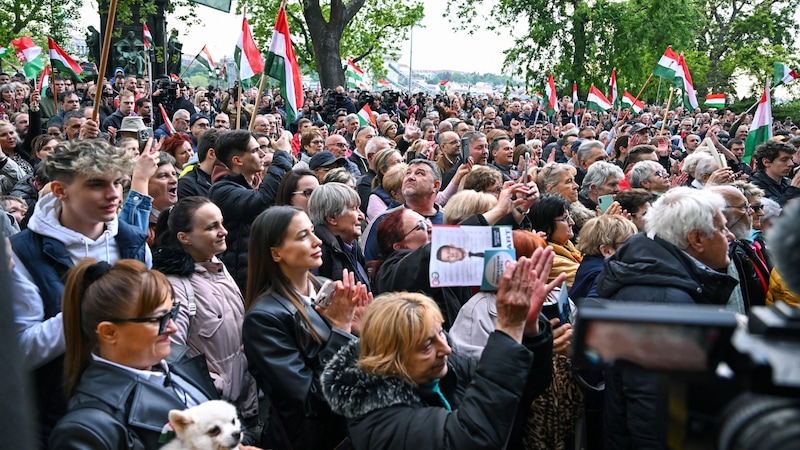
(43, 340)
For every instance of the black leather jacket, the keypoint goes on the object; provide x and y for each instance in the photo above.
(113, 409)
(287, 364)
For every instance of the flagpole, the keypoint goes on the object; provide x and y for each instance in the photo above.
(642, 90)
(112, 11)
(52, 74)
(239, 107)
(664, 120)
(258, 99)
(150, 84)
(658, 93)
(183, 72)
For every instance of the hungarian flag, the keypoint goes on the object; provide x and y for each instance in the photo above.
(597, 101)
(715, 100)
(683, 81)
(613, 97)
(354, 75)
(148, 38)
(783, 74)
(629, 101)
(538, 97)
(61, 61)
(667, 65)
(574, 93)
(246, 54)
(204, 58)
(165, 119)
(761, 128)
(365, 116)
(383, 83)
(4, 51)
(44, 80)
(282, 65)
(443, 83)
(550, 93)
(30, 55)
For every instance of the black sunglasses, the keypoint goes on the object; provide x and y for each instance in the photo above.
(162, 320)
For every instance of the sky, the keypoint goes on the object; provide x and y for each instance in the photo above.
(435, 44)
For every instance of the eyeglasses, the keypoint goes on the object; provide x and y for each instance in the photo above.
(757, 208)
(421, 225)
(745, 207)
(565, 219)
(305, 192)
(453, 142)
(660, 173)
(162, 320)
(317, 141)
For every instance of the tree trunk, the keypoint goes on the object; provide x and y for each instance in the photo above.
(329, 63)
(579, 20)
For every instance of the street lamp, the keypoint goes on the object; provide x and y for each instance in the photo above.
(217, 74)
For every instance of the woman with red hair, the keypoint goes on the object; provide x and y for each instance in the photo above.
(180, 147)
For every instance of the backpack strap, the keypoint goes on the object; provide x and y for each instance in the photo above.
(192, 304)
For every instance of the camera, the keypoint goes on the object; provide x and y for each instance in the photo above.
(707, 345)
(143, 135)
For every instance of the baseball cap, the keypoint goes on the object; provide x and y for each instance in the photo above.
(324, 159)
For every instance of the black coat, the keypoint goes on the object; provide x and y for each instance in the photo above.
(114, 409)
(287, 363)
(653, 271)
(751, 271)
(780, 192)
(240, 205)
(486, 397)
(335, 258)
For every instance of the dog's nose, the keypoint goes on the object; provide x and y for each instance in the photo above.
(237, 435)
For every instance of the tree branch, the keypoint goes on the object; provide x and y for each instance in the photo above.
(350, 9)
(306, 38)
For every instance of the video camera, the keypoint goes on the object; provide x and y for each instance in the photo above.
(702, 341)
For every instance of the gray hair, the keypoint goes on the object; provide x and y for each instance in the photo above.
(681, 210)
(706, 165)
(372, 144)
(471, 136)
(349, 118)
(641, 171)
(598, 174)
(437, 174)
(331, 200)
(690, 162)
(585, 149)
(771, 209)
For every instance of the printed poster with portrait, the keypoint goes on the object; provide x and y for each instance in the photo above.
(469, 256)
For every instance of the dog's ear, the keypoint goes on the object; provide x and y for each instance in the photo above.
(180, 420)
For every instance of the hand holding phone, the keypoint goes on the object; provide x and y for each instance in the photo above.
(325, 294)
(604, 201)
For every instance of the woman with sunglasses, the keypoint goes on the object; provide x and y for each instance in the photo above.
(295, 188)
(287, 337)
(209, 321)
(120, 375)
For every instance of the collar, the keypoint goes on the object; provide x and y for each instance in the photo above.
(152, 376)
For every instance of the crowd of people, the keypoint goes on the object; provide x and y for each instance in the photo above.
(158, 264)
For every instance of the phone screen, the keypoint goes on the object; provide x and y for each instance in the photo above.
(464, 150)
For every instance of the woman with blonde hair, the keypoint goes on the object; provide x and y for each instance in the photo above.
(600, 238)
(402, 387)
(467, 203)
(558, 178)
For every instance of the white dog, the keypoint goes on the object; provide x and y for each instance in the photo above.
(212, 425)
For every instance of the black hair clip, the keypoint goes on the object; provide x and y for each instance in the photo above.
(95, 272)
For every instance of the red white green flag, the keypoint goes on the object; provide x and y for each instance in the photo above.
(61, 61)
(683, 81)
(246, 54)
(550, 93)
(667, 65)
(148, 38)
(365, 116)
(613, 97)
(165, 119)
(443, 83)
(715, 100)
(30, 55)
(597, 101)
(354, 75)
(538, 97)
(574, 93)
(204, 58)
(783, 74)
(44, 80)
(761, 128)
(282, 65)
(383, 83)
(629, 101)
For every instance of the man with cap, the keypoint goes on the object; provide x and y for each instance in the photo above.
(640, 134)
(198, 124)
(323, 162)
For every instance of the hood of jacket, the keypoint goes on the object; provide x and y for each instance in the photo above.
(656, 263)
(45, 221)
(353, 393)
(173, 260)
